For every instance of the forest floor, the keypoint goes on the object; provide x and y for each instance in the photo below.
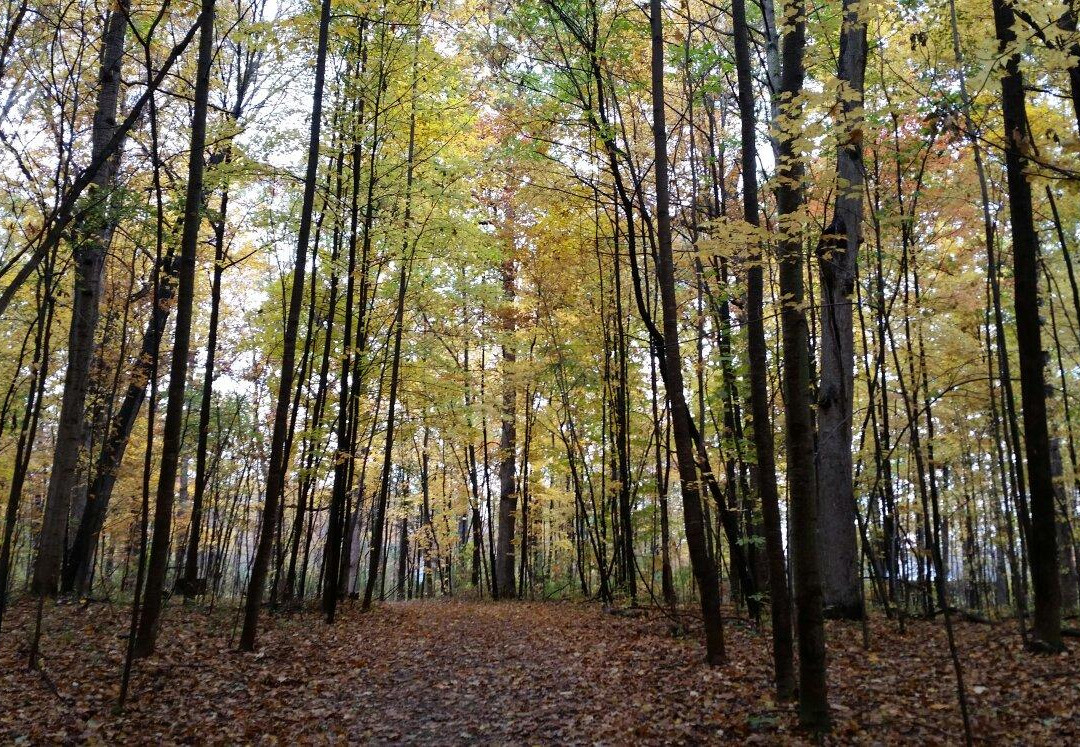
(453, 671)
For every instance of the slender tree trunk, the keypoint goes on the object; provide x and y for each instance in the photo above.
(801, 482)
(190, 585)
(151, 414)
(405, 260)
(77, 571)
(764, 447)
(275, 478)
(27, 429)
(403, 557)
(474, 485)
(667, 581)
(703, 564)
(504, 549)
(1069, 580)
(1042, 542)
(622, 434)
(185, 297)
(345, 428)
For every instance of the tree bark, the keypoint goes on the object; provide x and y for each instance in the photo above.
(190, 582)
(702, 562)
(764, 446)
(93, 235)
(275, 476)
(77, 571)
(504, 549)
(1042, 542)
(405, 259)
(837, 263)
(172, 431)
(28, 428)
(799, 437)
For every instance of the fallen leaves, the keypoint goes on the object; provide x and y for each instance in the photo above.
(446, 671)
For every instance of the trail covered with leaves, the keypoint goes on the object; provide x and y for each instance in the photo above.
(453, 672)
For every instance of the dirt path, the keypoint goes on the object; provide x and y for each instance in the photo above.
(453, 672)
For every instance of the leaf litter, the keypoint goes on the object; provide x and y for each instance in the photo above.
(438, 672)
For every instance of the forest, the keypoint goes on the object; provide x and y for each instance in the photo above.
(549, 371)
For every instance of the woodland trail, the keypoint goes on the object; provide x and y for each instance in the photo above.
(475, 672)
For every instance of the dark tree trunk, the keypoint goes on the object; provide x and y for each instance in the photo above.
(403, 557)
(703, 564)
(185, 296)
(405, 259)
(27, 429)
(275, 477)
(667, 581)
(345, 427)
(806, 569)
(504, 549)
(190, 584)
(764, 447)
(77, 571)
(1042, 542)
(622, 435)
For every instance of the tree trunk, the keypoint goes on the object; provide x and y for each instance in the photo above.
(504, 549)
(275, 477)
(703, 564)
(403, 557)
(77, 571)
(837, 262)
(27, 429)
(1069, 580)
(190, 581)
(1042, 542)
(92, 240)
(172, 431)
(764, 447)
(405, 259)
(801, 483)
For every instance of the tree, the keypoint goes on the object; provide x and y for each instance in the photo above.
(93, 234)
(704, 565)
(798, 422)
(189, 582)
(405, 260)
(185, 299)
(764, 447)
(838, 253)
(508, 496)
(1042, 543)
(278, 466)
